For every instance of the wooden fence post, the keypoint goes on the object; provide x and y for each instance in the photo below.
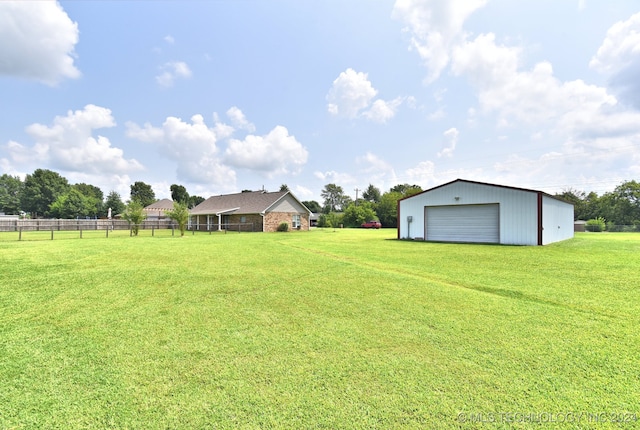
(20, 234)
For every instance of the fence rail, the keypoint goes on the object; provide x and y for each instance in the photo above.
(42, 229)
(74, 224)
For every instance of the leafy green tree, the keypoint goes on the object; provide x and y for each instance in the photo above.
(335, 200)
(179, 194)
(41, 189)
(332, 219)
(114, 202)
(284, 187)
(95, 194)
(387, 209)
(406, 190)
(180, 214)
(142, 193)
(10, 192)
(73, 204)
(372, 194)
(134, 213)
(354, 215)
(195, 201)
(622, 205)
(313, 206)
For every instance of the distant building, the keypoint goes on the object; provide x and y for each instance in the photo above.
(250, 211)
(158, 209)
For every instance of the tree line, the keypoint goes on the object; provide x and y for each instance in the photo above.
(340, 209)
(46, 194)
(620, 207)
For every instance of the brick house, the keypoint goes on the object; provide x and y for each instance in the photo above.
(250, 211)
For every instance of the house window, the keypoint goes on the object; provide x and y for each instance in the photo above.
(295, 223)
(243, 219)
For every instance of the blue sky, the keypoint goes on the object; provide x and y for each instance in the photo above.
(221, 96)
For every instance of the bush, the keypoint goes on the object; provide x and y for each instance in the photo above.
(283, 227)
(596, 224)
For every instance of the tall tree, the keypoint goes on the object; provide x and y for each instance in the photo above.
(313, 206)
(142, 193)
(95, 194)
(41, 189)
(73, 204)
(372, 194)
(10, 192)
(406, 190)
(114, 202)
(624, 204)
(387, 209)
(334, 197)
(284, 187)
(179, 194)
(354, 215)
(195, 201)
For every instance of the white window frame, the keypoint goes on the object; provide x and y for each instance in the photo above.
(295, 221)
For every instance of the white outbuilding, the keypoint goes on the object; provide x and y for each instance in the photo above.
(476, 212)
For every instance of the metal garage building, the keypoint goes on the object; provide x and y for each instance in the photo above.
(468, 211)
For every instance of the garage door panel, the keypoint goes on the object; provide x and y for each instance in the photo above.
(463, 223)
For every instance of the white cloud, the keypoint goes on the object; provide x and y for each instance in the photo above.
(619, 58)
(435, 26)
(172, 71)
(377, 170)
(239, 120)
(381, 111)
(274, 153)
(352, 96)
(192, 146)
(37, 41)
(423, 173)
(334, 177)
(169, 39)
(351, 92)
(303, 193)
(450, 142)
(529, 97)
(69, 144)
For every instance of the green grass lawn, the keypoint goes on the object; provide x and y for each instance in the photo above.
(326, 329)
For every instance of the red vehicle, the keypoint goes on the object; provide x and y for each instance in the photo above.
(371, 224)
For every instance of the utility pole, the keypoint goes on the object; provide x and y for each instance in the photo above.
(356, 190)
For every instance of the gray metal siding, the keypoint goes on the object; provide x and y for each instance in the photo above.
(557, 220)
(463, 223)
(518, 209)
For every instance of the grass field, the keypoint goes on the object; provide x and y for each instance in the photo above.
(326, 329)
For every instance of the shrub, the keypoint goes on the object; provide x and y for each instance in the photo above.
(283, 227)
(596, 224)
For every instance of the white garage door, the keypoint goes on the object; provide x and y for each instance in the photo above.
(463, 223)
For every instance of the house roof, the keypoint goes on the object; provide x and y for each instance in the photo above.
(161, 205)
(490, 185)
(251, 202)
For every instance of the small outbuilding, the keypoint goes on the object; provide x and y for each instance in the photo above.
(476, 212)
